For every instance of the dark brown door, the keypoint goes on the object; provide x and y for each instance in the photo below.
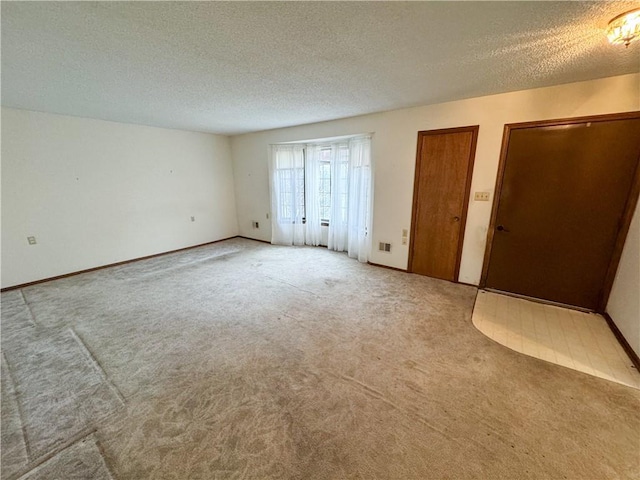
(563, 197)
(444, 166)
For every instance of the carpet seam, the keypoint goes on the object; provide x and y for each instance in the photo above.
(97, 366)
(19, 407)
(38, 462)
(379, 396)
(24, 299)
(33, 315)
(100, 448)
(291, 285)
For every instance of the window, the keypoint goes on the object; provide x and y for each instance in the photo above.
(322, 185)
(291, 180)
(288, 177)
(292, 187)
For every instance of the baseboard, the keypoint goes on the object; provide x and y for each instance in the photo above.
(254, 239)
(385, 266)
(407, 271)
(633, 356)
(93, 269)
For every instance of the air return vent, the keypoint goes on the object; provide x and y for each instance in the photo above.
(384, 247)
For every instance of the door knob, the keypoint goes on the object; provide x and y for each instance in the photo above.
(500, 228)
(456, 219)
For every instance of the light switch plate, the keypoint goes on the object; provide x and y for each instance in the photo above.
(481, 196)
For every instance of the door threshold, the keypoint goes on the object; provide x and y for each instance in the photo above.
(540, 300)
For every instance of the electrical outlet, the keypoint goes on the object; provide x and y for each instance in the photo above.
(267, 216)
(256, 225)
(31, 240)
(481, 196)
(193, 219)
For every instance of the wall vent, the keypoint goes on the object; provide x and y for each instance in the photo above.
(384, 247)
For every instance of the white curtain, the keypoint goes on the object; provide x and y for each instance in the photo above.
(338, 226)
(359, 199)
(294, 174)
(286, 178)
(313, 233)
(350, 226)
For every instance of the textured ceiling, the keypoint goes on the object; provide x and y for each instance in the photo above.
(233, 67)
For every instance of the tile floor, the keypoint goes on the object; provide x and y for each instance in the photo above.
(582, 341)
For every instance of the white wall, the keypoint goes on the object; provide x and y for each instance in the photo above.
(95, 192)
(394, 154)
(624, 302)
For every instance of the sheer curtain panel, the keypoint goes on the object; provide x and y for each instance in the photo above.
(313, 233)
(360, 199)
(338, 227)
(351, 188)
(318, 183)
(286, 172)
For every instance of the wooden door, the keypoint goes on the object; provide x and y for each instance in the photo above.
(566, 192)
(444, 166)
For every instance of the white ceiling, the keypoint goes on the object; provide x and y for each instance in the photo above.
(233, 67)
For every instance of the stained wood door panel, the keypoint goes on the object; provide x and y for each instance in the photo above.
(564, 192)
(443, 171)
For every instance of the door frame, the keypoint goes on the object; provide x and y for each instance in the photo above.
(625, 221)
(467, 189)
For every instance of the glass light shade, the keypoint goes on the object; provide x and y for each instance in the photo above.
(624, 28)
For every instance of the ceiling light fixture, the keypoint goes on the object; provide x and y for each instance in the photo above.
(625, 28)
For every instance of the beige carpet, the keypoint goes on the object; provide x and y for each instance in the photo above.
(245, 360)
